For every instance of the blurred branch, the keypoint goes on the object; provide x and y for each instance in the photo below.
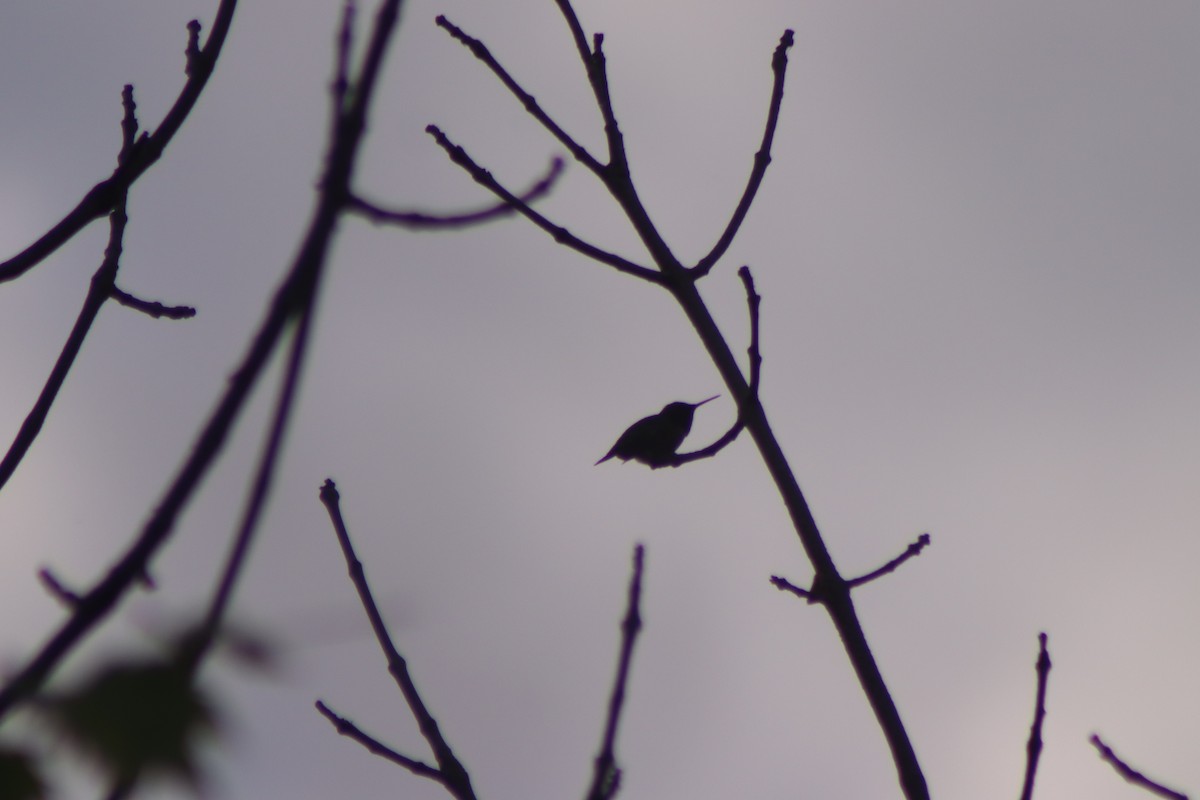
(294, 298)
(1132, 775)
(607, 777)
(761, 160)
(137, 157)
(416, 220)
(1033, 749)
(561, 235)
(57, 589)
(450, 772)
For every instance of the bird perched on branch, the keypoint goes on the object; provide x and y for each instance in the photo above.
(654, 440)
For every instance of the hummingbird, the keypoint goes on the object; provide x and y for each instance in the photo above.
(654, 439)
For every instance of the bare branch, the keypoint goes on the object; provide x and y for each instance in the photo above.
(561, 235)
(291, 299)
(104, 196)
(784, 585)
(57, 589)
(761, 160)
(416, 220)
(607, 777)
(753, 301)
(347, 728)
(1033, 749)
(151, 307)
(913, 550)
(528, 101)
(451, 771)
(1132, 775)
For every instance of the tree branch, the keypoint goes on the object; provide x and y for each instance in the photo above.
(1132, 775)
(606, 779)
(1033, 749)
(450, 770)
(528, 101)
(417, 220)
(291, 298)
(561, 235)
(761, 160)
(104, 196)
(348, 729)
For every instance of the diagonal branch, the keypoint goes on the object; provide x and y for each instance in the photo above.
(753, 301)
(761, 160)
(1132, 775)
(299, 283)
(561, 235)
(104, 196)
(417, 220)
(347, 728)
(607, 777)
(450, 770)
(102, 286)
(1033, 749)
(530, 103)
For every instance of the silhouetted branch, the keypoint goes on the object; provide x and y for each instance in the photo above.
(561, 235)
(817, 593)
(607, 777)
(57, 589)
(1132, 775)
(450, 770)
(530, 103)
(102, 286)
(152, 307)
(341, 65)
(753, 301)
(347, 728)
(293, 296)
(1033, 749)
(913, 550)
(416, 220)
(104, 196)
(761, 160)
(236, 560)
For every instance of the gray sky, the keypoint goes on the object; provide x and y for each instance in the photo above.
(976, 248)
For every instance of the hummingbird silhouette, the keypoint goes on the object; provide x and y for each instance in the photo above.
(654, 439)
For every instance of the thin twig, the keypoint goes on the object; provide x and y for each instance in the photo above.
(561, 235)
(151, 307)
(57, 589)
(290, 298)
(753, 301)
(348, 729)
(102, 286)
(1033, 749)
(607, 777)
(761, 160)
(417, 220)
(912, 551)
(1132, 775)
(105, 195)
(236, 560)
(530, 103)
(450, 770)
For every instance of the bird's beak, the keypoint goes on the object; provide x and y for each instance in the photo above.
(702, 402)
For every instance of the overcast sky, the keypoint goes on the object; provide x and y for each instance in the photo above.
(977, 249)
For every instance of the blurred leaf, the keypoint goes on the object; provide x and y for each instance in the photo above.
(136, 718)
(18, 778)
